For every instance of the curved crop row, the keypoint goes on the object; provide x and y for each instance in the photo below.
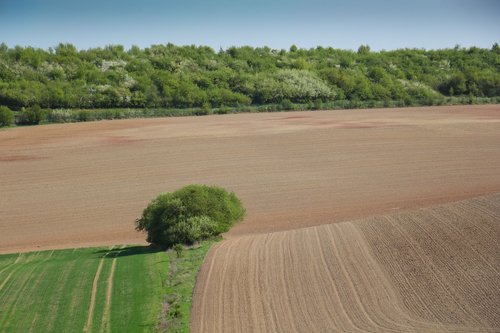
(421, 271)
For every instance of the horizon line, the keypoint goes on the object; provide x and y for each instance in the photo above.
(127, 48)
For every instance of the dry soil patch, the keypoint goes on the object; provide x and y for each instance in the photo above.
(84, 184)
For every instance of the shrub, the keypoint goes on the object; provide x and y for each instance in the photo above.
(298, 86)
(286, 105)
(83, 115)
(31, 116)
(60, 116)
(6, 116)
(178, 248)
(189, 215)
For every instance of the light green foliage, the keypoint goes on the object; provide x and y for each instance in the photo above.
(192, 229)
(6, 116)
(180, 77)
(51, 291)
(190, 214)
(290, 85)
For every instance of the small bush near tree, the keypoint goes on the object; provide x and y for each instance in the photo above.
(189, 215)
(6, 116)
(178, 248)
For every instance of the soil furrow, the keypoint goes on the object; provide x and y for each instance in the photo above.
(403, 272)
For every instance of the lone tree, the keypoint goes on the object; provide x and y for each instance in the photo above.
(190, 214)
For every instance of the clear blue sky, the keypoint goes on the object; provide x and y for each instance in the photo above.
(382, 24)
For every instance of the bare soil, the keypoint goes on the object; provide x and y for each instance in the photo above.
(429, 270)
(84, 184)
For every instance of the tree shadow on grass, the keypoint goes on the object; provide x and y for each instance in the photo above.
(126, 251)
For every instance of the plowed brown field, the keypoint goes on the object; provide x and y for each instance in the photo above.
(84, 184)
(430, 270)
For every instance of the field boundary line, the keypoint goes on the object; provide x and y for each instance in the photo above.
(204, 292)
(90, 315)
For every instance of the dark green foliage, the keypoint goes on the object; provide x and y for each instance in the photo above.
(190, 214)
(6, 116)
(471, 83)
(198, 78)
(178, 248)
(363, 49)
(32, 115)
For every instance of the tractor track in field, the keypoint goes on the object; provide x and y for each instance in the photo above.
(90, 314)
(105, 323)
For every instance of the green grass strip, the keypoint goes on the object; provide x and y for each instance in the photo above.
(182, 272)
(139, 289)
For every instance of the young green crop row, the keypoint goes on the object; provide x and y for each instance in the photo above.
(117, 289)
(89, 290)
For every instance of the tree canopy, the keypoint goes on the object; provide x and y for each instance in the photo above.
(170, 76)
(190, 214)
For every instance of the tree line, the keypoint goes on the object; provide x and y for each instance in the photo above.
(170, 76)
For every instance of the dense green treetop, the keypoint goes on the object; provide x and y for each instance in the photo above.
(190, 214)
(172, 76)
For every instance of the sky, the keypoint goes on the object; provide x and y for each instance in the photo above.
(381, 24)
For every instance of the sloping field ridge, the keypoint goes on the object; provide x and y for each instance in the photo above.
(434, 269)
